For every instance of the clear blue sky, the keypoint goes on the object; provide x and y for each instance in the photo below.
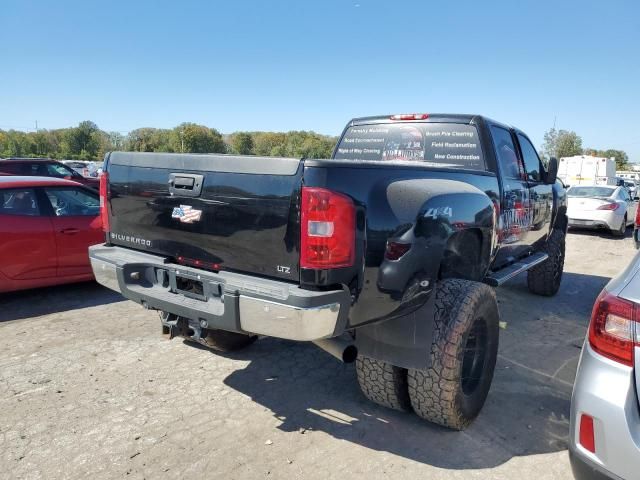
(312, 65)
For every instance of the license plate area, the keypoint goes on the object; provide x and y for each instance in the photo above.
(190, 287)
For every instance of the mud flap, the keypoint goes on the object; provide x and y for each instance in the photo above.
(404, 341)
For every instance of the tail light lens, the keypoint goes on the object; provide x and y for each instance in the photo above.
(638, 216)
(327, 229)
(104, 198)
(612, 328)
(608, 206)
(396, 250)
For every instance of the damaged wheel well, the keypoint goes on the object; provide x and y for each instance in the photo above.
(464, 256)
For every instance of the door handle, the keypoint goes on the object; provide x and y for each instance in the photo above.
(70, 231)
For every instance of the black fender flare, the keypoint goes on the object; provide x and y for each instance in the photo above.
(433, 213)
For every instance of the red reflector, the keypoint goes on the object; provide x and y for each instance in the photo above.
(327, 229)
(396, 250)
(611, 330)
(104, 200)
(587, 435)
(197, 263)
(410, 116)
(608, 206)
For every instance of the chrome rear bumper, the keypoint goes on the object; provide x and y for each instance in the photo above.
(228, 301)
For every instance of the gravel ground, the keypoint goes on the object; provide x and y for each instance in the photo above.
(89, 387)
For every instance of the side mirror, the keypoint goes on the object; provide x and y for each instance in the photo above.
(552, 171)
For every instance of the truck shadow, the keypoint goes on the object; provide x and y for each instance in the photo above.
(60, 298)
(527, 411)
(602, 233)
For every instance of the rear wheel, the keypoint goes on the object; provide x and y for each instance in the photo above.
(383, 383)
(544, 279)
(622, 230)
(452, 391)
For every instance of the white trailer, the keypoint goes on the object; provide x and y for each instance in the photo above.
(587, 170)
(626, 174)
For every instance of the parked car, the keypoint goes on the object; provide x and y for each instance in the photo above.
(632, 186)
(45, 167)
(605, 413)
(601, 207)
(392, 242)
(86, 169)
(46, 227)
(636, 230)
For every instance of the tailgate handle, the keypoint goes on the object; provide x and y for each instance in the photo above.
(185, 184)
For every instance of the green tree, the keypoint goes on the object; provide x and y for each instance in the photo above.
(269, 143)
(45, 143)
(17, 144)
(194, 138)
(242, 143)
(561, 143)
(149, 140)
(115, 141)
(82, 142)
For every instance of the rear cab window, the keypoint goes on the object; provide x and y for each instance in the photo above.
(445, 145)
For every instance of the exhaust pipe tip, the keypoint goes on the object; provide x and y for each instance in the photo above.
(341, 349)
(350, 354)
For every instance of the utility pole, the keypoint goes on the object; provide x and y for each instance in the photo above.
(36, 125)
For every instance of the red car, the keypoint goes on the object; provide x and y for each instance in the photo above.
(44, 167)
(46, 227)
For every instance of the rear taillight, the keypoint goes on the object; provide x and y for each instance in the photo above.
(328, 222)
(587, 434)
(638, 217)
(612, 327)
(608, 206)
(104, 198)
(395, 250)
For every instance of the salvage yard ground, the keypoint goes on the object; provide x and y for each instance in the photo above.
(89, 388)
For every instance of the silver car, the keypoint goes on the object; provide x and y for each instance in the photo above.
(601, 206)
(605, 412)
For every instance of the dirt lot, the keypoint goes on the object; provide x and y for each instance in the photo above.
(88, 387)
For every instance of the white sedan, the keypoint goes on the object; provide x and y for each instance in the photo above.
(601, 206)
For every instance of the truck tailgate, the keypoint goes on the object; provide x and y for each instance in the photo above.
(213, 211)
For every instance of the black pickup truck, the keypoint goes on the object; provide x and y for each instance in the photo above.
(384, 254)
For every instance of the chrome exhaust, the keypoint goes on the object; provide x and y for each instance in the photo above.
(343, 350)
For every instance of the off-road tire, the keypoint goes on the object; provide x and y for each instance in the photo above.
(622, 230)
(223, 341)
(544, 279)
(383, 383)
(452, 391)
